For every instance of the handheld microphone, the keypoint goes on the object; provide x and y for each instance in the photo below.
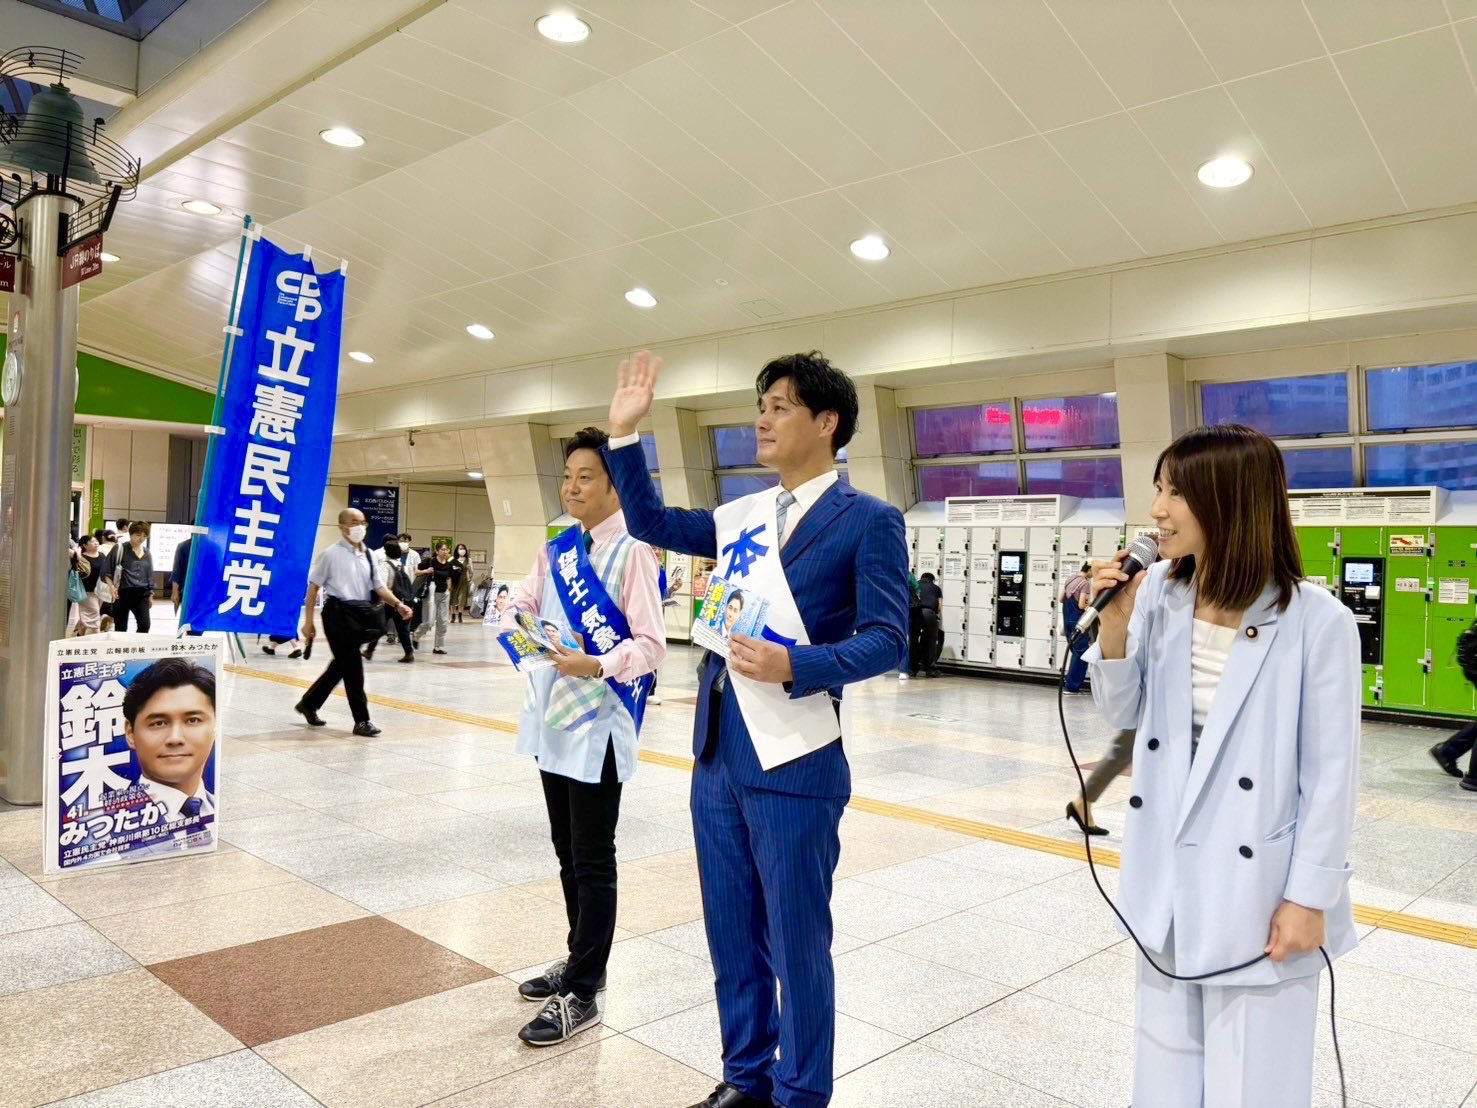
(1142, 553)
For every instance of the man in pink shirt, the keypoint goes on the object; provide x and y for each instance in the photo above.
(582, 718)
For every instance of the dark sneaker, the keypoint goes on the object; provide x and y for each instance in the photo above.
(560, 1020)
(552, 983)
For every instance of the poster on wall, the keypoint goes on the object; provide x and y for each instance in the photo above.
(381, 507)
(132, 750)
(164, 540)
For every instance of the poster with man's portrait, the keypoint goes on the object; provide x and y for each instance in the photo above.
(133, 750)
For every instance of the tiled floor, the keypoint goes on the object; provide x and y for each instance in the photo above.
(357, 940)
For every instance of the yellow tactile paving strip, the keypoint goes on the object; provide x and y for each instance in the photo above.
(1418, 926)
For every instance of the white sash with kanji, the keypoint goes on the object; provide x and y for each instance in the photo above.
(782, 728)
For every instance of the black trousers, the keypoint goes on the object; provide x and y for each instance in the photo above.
(402, 632)
(135, 600)
(927, 641)
(1461, 743)
(347, 666)
(582, 819)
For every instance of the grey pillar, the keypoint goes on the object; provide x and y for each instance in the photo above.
(35, 481)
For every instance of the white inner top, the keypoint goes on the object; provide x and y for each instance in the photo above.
(1211, 644)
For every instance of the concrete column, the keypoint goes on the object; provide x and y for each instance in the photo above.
(682, 451)
(521, 470)
(878, 459)
(1152, 412)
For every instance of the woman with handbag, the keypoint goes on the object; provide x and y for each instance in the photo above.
(86, 576)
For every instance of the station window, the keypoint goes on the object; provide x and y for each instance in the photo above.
(1084, 478)
(1448, 465)
(1070, 422)
(1422, 397)
(1285, 407)
(1326, 467)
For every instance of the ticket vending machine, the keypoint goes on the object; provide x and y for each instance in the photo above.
(1010, 594)
(1361, 588)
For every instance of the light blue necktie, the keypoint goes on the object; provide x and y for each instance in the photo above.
(787, 498)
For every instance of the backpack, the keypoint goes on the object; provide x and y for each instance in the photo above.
(400, 583)
(1466, 653)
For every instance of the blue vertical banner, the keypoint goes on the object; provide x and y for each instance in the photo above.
(266, 474)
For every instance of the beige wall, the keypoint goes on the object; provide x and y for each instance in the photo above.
(134, 469)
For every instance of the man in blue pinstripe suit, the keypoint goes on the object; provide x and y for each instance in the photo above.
(771, 779)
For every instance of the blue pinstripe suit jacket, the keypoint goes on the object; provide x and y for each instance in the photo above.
(847, 565)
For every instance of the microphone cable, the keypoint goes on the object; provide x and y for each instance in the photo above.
(1061, 707)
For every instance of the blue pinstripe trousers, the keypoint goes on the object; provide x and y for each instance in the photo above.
(765, 862)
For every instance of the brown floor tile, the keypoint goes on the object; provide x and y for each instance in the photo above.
(218, 922)
(269, 990)
(416, 1053)
(85, 1035)
(614, 1073)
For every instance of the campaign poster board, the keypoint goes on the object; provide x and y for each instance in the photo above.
(133, 750)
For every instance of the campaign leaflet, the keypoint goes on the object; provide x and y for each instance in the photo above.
(133, 750)
(528, 646)
(725, 611)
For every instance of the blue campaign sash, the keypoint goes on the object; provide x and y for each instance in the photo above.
(589, 609)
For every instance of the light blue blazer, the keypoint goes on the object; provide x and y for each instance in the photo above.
(1264, 811)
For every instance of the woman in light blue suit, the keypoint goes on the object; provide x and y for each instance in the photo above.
(1243, 684)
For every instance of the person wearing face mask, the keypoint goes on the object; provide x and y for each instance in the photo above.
(391, 561)
(440, 573)
(347, 574)
(1241, 682)
(461, 582)
(134, 579)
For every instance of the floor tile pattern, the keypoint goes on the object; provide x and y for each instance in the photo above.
(358, 937)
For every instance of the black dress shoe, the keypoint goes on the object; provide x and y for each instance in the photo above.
(407, 658)
(313, 718)
(726, 1096)
(1445, 760)
(1470, 786)
(367, 729)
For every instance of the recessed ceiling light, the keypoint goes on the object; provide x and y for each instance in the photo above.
(475, 474)
(563, 27)
(109, 257)
(342, 136)
(641, 298)
(479, 331)
(201, 207)
(1224, 173)
(870, 248)
(360, 356)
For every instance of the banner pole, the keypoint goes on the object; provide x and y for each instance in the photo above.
(233, 331)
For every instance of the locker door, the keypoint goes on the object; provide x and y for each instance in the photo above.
(1106, 541)
(1074, 542)
(979, 649)
(1408, 603)
(1320, 550)
(1041, 540)
(1453, 610)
